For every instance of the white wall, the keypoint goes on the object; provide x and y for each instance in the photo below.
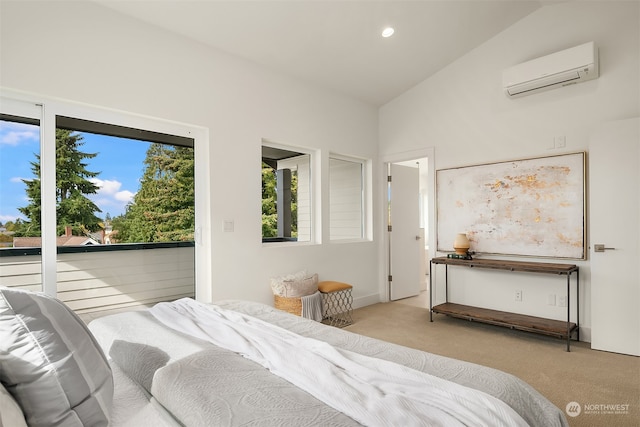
(464, 115)
(85, 53)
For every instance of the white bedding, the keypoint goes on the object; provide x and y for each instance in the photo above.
(201, 384)
(372, 391)
(134, 407)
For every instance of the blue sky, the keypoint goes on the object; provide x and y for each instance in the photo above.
(119, 162)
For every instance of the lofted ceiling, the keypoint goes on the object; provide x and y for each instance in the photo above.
(337, 44)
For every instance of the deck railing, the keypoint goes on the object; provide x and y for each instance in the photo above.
(96, 281)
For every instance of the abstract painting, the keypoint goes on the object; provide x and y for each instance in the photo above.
(531, 207)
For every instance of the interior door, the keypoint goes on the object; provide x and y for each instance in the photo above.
(614, 159)
(404, 239)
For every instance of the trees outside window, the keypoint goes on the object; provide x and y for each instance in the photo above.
(269, 199)
(286, 195)
(19, 146)
(73, 208)
(89, 177)
(270, 202)
(163, 209)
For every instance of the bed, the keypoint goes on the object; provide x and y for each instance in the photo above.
(164, 376)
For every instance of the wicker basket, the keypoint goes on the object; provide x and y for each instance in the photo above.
(290, 305)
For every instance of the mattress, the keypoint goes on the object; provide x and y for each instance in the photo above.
(201, 384)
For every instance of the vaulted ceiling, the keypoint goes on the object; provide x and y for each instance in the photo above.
(338, 44)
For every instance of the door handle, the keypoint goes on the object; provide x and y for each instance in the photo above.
(418, 237)
(601, 248)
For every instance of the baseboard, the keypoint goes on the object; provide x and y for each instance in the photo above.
(366, 300)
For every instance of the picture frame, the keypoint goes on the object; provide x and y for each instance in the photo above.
(529, 207)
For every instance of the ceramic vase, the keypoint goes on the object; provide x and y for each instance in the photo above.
(461, 244)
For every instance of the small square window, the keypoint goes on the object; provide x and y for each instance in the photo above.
(286, 195)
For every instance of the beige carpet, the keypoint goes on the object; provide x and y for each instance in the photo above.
(590, 378)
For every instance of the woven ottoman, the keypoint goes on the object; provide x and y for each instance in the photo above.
(337, 303)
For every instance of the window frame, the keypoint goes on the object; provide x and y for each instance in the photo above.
(51, 109)
(75, 124)
(313, 204)
(22, 114)
(82, 125)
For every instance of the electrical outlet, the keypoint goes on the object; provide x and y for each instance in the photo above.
(551, 299)
(519, 296)
(562, 301)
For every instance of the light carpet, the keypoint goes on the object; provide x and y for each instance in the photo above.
(605, 385)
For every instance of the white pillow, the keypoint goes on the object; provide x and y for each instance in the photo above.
(295, 285)
(302, 287)
(10, 413)
(50, 362)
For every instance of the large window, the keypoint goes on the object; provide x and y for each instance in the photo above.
(113, 185)
(141, 182)
(286, 195)
(346, 198)
(81, 202)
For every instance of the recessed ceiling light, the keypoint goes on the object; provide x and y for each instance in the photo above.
(388, 32)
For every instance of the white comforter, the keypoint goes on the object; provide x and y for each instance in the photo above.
(369, 390)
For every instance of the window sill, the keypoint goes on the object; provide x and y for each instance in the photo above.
(285, 244)
(341, 241)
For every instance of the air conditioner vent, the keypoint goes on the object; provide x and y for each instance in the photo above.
(562, 68)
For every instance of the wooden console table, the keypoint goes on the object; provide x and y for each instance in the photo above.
(522, 322)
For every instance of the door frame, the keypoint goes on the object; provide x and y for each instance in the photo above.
(53, 107)
(384, 254)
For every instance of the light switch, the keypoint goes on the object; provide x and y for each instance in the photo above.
(228, 226)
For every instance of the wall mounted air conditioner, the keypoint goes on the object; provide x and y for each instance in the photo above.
(570, 66)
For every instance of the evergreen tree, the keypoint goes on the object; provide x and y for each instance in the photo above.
(13, 226)
(163, 210)
(31, 227)
(269, 202)
(269, 194)
(73, 208)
